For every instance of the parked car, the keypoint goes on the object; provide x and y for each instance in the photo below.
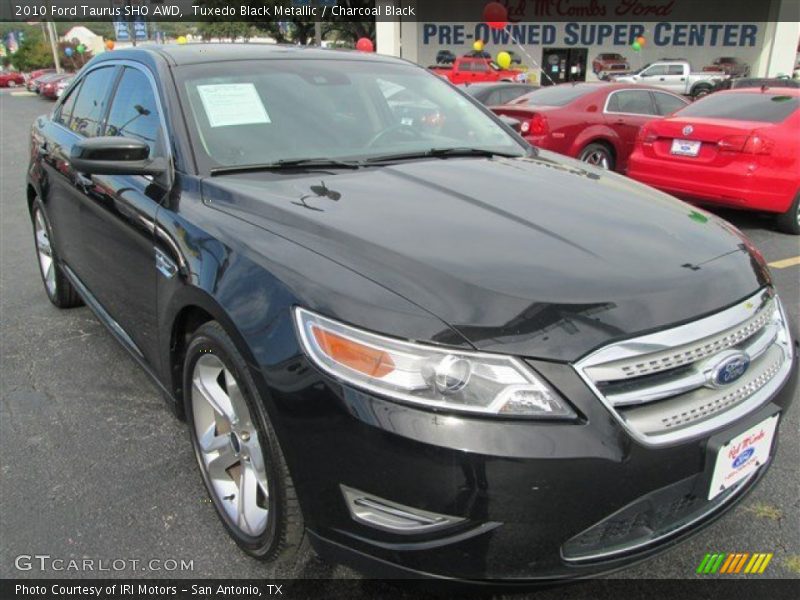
(11, 78)
(429, 353)
(471, 70)
(42, 80)
(445, 57)
(54, 85)
(34, 75)
(497, 93)
(593, 122)
(757, 82)
(738, 149)
(674, 76)
(609, 62)
(730, 65)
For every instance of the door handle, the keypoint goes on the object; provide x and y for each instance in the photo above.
(661, 79)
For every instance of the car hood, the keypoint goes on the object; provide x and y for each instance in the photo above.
(539, 257)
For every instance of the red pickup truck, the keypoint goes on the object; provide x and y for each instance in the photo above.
(467, 69)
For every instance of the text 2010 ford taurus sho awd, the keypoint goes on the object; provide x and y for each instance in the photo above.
(394, 326)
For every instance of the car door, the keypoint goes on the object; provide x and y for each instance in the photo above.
(675, 79)
(118, 214)
(625, 112)
(655, 75)
(77, 117)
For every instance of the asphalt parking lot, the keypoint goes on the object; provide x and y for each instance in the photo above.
(94, 465)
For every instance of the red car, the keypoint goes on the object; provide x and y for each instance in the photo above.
(11, 79)
(739, 149)
(34, 75)
(467, 69)
(594, 122)
(51, 88)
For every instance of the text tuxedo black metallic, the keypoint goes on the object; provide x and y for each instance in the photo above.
(437, 351)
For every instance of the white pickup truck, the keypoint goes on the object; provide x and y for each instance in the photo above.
(674, 75)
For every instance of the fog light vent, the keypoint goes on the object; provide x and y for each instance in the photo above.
(390, 516)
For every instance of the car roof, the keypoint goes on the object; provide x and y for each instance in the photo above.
(775, 91)
(188, 54)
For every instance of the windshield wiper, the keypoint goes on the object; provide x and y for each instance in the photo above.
(443, 153)
(292, 163)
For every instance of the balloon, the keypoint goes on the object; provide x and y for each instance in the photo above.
(181, 39)
(477, 45)
(495, 15)
(636, 46)
(504, 59)
(641, 40)
(81, 49)
(110, 44)
(365, 45)
(69, 51)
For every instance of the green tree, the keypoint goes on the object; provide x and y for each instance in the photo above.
(34, 53)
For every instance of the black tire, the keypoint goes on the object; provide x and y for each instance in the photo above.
(61, 293)
(701, 90)
(789, 222)
(282, 541)
(599, 155)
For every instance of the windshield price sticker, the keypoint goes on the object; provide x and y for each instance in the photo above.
(232, 104)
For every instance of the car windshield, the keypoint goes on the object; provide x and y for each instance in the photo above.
(557, 95)
(747, 106)
(262, 112)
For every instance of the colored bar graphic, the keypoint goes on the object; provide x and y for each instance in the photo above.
(740, 564)
(765, 563)
(733, 563)
(703, 563)
(727, 564)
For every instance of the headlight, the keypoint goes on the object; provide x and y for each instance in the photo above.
(426, 375)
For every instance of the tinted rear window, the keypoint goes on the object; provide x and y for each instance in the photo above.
(768, 108)
(559, 95)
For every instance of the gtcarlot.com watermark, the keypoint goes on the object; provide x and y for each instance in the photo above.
(48, 563)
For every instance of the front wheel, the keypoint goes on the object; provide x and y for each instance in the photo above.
(598, 155)
(237, 450)
(59, 289)
(789, 222)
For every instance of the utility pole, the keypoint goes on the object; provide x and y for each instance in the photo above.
(51, 27)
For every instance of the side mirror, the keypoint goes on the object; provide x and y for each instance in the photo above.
(515, 124)
(112, 155)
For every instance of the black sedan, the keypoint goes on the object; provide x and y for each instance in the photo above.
(418, 343)
(493, 94)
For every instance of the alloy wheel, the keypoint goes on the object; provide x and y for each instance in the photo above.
(44, 252)
(598, 158)
(229, 445)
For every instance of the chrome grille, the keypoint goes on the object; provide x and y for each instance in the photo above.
(663, 387)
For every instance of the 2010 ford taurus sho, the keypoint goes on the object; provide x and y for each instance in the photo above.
(397, 330)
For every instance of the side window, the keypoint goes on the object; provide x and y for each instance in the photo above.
(656, 70)
(134, 111)
(480, 66)
(90, 105)
(64, 113)
(667, 103)
(494, 98)
(675, 70)
(465, 66)
(631, 101)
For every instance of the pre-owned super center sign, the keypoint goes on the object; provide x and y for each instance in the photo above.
(730, 35)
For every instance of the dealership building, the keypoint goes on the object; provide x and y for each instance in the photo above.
(575, 40)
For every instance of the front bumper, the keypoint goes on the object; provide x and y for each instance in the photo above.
(526, 491)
